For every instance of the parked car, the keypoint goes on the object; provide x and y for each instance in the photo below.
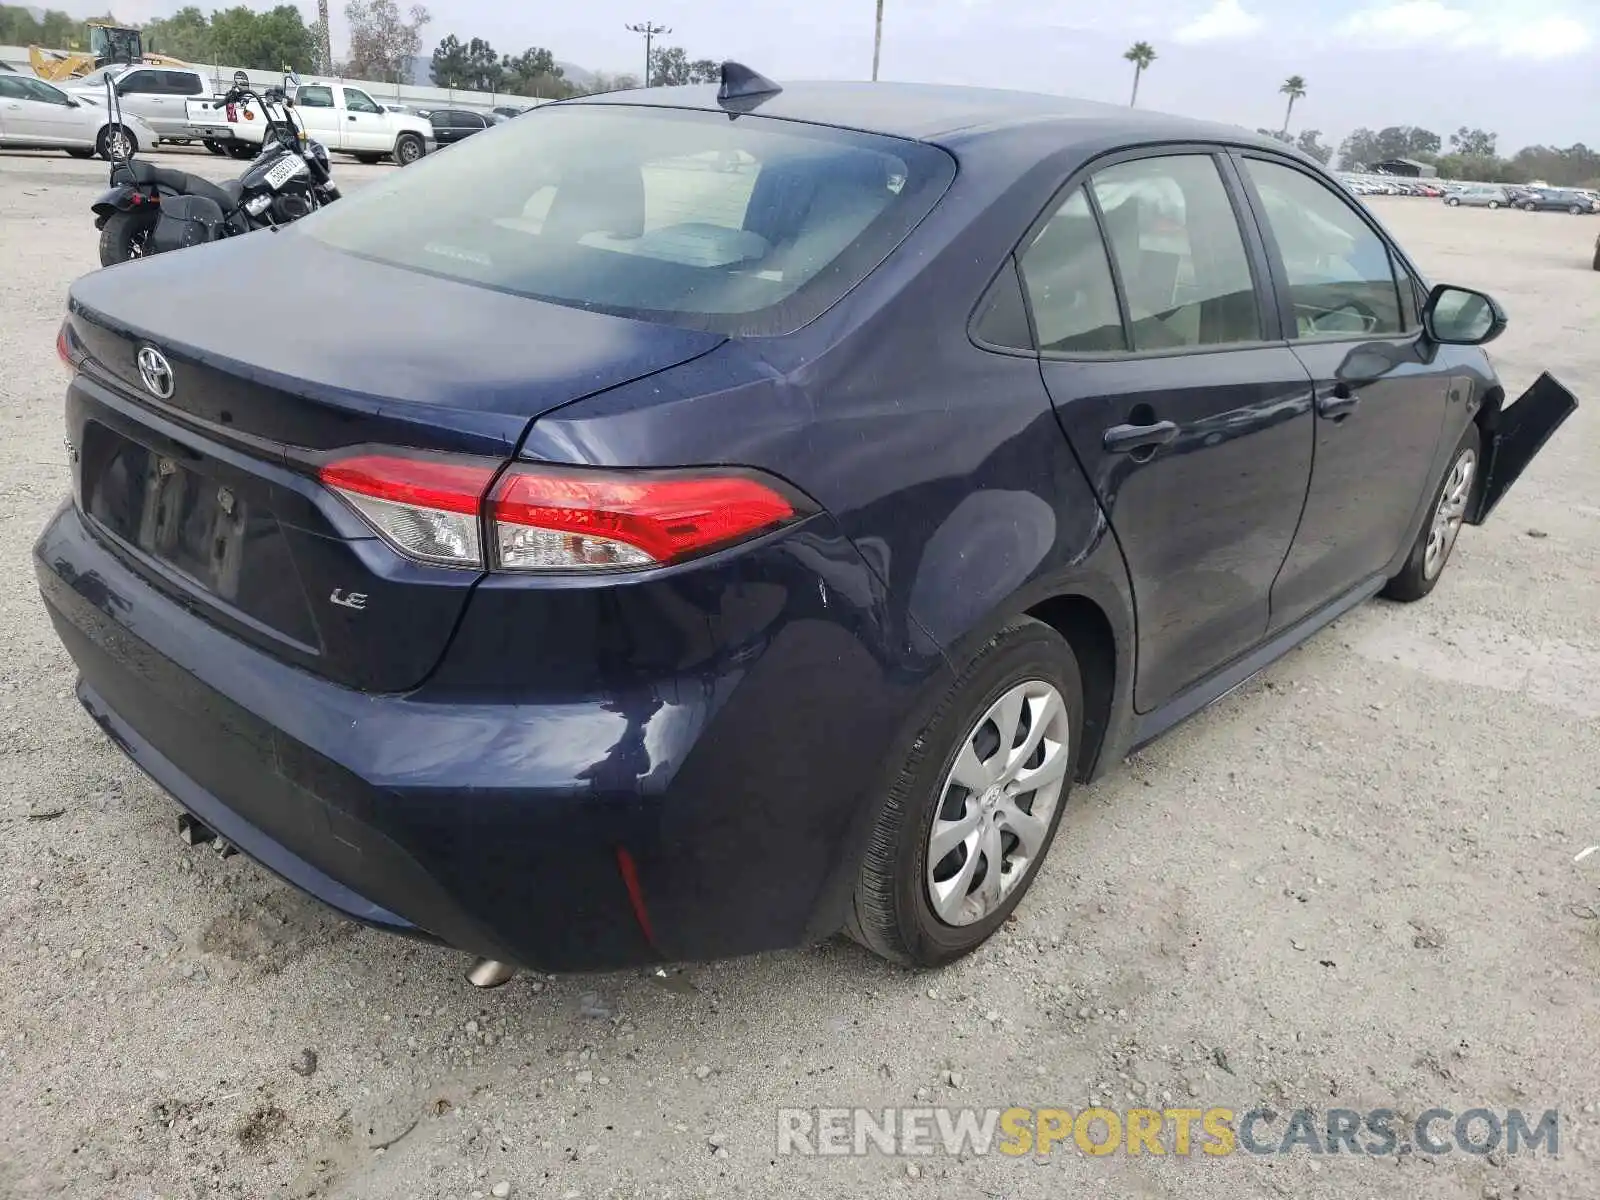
(1478, 197)
(38, 115)
(1569, 200)
(598, 590)
(510, 110)
(342, 118)
(451, 125)
(157, 95)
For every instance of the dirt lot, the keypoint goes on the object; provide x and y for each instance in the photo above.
(1349, 885)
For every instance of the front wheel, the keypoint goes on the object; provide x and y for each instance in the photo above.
(1453, 202)
(125, 236)
(1576, 210)
(1437, 537)
(973, 810)
(116, 143)
(1494, 204)
(408, 148)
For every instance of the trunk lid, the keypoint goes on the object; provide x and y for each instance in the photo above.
(283, 353)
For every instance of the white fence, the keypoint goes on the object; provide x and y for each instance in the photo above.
(410, 95)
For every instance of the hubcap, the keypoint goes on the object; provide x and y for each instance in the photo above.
(997, 803)
(1447, 517)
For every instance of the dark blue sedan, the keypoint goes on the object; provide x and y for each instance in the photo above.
(684, 523)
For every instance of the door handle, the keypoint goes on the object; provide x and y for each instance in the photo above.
(1130, 439)
(351, 117)
(1339, 403)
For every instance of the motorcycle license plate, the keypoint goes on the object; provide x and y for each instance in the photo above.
(284, 170)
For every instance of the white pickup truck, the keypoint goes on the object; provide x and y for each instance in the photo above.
(344, 119)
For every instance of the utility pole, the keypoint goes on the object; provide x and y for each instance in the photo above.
(651, 31)
(877, 42)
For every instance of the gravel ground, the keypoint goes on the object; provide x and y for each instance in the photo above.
(1349, 885)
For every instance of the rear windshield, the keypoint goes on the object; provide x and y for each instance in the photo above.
(742, 226)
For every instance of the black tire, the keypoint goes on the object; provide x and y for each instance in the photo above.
(216, 147)
(241, 150)
(102, 146)
(408, 148)
(369, 159)
(81, 152)
(1417, 578)
(1576, 210)
(124, 237)
(1597, 254)
(1494, 204)
(891, 913)
(1453, 202)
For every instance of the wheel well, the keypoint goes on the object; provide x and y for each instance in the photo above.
(1082, 622)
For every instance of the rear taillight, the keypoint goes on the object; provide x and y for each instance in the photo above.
(428, 509)
(66, 351)
(547, 519)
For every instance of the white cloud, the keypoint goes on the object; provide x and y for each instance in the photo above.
(1436, 24)
(1223, 21)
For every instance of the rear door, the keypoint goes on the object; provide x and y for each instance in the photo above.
(1192, 421)
(366, 128)
(1382, 393)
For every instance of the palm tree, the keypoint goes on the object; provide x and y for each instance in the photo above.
(877, 42)
(1141, 55)
(1293, 87)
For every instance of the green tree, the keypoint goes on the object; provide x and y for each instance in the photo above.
(383, 41)
(449, 68)
(262, 41)
(1474, 143)
(53, 30)
(1364, 147)
(1141, 55)
(1310, 142)
(534, 73)
(186, 34)
(1293, 87)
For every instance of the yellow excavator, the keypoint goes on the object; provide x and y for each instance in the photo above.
(107, 44)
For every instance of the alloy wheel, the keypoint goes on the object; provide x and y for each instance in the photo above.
(1449, 514)
(120, 145)
(997, 803)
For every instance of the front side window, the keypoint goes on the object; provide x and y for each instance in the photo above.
(744, 227)
(1341, 279)
(38, 89)
(139, 83)
(312, 96)
(11, 88)
(1069, 286)
(358, 101)
(1180, 256)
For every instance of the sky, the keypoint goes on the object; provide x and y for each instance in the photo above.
(1528, 70)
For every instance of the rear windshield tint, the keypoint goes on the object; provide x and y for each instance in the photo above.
(747, 226)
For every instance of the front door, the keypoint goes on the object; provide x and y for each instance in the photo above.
(365, 126)
(1193, 427)
(51, 117)
(1381, 396)
(315, 107)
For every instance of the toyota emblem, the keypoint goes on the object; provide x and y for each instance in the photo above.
(156, 372)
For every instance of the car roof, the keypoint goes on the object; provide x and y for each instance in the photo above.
(941, 113)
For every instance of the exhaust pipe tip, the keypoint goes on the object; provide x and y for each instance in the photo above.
(487, 973)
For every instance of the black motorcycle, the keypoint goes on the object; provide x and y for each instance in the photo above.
(151, 210)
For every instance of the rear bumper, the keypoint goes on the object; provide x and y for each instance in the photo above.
(493, 821)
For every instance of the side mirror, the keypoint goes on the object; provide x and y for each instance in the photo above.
(71, 103)
(1457, 316)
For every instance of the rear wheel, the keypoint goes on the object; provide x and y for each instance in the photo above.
(215, 146)
(1453, 202)
(241, 150)
(116, 142)
(125, 235)
(975, 806)
(1437, 537)
(408, 148)
(1494, 204)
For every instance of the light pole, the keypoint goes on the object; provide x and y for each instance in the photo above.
(651, 31)
(877, 41)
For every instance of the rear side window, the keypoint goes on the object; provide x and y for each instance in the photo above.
(315, 97)
(182, 83)
(745, 227)
(1180, 256)
(1069, 285)
(1341, 279)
